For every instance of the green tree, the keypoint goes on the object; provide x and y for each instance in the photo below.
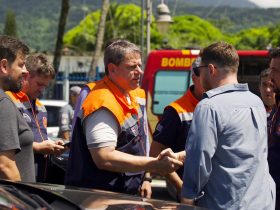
(254, 38)
(59, 42)
(123, 21)
(275, 35)
(10, 24)
(60, 33)
(82, 36)
(190, 31)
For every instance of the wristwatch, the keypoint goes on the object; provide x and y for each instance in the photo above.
(148, 179)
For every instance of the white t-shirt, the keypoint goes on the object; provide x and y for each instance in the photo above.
(101, 129)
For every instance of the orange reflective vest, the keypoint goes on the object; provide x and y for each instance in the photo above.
(82, 171)
(184, 107)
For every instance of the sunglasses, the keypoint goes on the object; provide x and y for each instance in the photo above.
(196, 70)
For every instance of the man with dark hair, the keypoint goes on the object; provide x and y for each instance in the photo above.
(266, 91)
(16, 138)
(274, 132)
(108, 149)
(226, 163)
(40, 73)
(267, 95)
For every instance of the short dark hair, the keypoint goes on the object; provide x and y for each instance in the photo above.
(38, 64)
(10, 47)
(116, 50)
(222, 54)
(275, 53)
(264, 73)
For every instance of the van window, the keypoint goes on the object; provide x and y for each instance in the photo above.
(169, 86)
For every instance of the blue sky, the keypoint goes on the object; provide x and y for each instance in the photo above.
(267, 3)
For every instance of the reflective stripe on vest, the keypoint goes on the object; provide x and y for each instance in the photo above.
(185, 106)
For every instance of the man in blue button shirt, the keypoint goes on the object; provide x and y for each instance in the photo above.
(226, 162)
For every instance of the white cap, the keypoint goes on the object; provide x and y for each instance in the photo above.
(75, 90)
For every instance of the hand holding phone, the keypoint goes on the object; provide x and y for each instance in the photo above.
(67, 144)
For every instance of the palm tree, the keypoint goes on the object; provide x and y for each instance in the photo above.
(59, 43)
(61, 27)
(99, 39)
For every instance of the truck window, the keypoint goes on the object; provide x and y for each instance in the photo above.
(169, 86)
(249, 69)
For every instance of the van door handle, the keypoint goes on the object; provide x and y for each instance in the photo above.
(156, 102)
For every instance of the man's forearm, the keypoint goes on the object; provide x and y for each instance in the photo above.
(8, 167)
(10, 173)
(117, 161)
(175, 180)
(110, 159)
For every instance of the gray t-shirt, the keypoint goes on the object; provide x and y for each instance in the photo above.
(15, 134)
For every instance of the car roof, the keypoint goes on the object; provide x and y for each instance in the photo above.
(100, 199)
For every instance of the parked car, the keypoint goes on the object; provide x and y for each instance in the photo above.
(53, 107)
(21, 196)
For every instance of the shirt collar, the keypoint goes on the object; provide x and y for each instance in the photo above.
(226, 88)
(21, 94)
(119, 95)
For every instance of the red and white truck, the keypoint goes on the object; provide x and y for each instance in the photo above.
(167, 76)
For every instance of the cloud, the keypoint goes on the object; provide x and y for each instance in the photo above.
(267, 3)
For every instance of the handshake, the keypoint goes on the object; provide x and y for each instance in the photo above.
(168, 161)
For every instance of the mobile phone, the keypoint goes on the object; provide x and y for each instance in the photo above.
(67, 144)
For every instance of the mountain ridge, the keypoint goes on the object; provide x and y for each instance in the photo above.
(37, 21)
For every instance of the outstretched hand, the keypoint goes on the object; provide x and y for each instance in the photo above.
(167, 165)
(180, 156)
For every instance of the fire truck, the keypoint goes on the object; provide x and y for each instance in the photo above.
(167, 76)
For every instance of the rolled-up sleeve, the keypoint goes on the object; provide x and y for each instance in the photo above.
(200, 148)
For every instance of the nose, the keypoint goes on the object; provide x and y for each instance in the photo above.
(139, 70)
(24, 70)
(270, 87)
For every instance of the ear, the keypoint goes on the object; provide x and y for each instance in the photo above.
(212, 69)
(4, 65)
(194, 77)
(111, 68)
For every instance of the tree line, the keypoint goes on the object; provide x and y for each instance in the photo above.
(37, 25)
(123, 21)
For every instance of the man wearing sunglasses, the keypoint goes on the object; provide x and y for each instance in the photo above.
(226, 150)
(172, 130)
